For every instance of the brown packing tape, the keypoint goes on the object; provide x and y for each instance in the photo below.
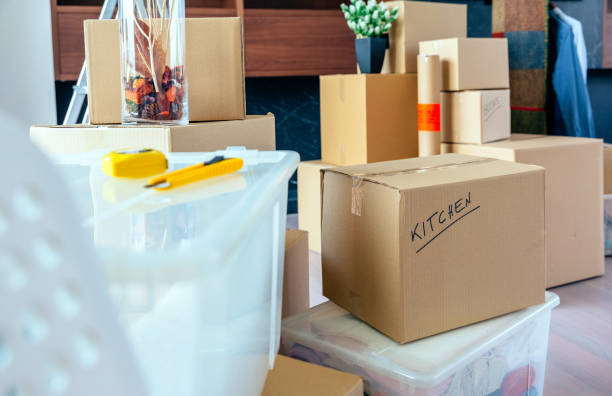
(357, 195)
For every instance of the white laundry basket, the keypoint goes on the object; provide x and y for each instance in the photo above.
(59, 334)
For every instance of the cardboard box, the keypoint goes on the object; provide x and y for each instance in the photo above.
(420, 246)
(297, 378)
(607, 153)
(296, 281)
(214, 67)
(254, 132)
(574, 221)
(475, 116)
(368, 118)
(471, 63)
(420, 21)
(309, 200)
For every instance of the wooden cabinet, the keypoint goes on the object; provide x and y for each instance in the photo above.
(281, 37)
(297, 42)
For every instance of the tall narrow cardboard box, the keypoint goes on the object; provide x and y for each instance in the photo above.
(309, 200)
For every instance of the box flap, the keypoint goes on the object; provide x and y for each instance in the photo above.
(440, 169)
(296, 377)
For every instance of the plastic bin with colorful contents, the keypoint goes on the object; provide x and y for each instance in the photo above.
(504, 356)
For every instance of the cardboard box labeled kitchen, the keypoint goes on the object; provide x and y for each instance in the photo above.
(574, 207)
(309, 200)
(419, 21)
(296, 279)
(471, 63)
(420, 246)
(368, 118)
(254, 132)
(480, 116)
(214, 68)
(297, 378)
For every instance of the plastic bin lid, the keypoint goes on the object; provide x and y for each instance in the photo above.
(330, 329)
(197, 223)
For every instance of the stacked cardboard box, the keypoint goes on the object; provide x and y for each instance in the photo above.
(476, 121)
(215, 71)
(574, 207)
(475, 102)
(417, 247)
(369, 118)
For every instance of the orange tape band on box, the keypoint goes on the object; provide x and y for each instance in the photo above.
(428, 117)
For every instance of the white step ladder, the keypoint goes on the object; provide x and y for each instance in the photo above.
(80, 89)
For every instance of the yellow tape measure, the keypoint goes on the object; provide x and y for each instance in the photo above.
(134, 164)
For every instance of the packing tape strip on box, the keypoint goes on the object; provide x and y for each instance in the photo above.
(357, 191)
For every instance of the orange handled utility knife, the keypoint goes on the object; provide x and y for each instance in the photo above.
(218, 166)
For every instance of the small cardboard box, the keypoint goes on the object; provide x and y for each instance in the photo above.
(368, 118)
(420, 246)
(471, 63)
(607, 168)
(214, 67)
(574, 206)
(254, 132)
(291, 377)
(309, 200)
(419, 21)
(480, 116)
(296, 281)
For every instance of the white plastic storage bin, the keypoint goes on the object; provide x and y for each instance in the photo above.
(504, 356)
(608, 224)
(196, 273)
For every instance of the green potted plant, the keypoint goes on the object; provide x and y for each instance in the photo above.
(370, 22)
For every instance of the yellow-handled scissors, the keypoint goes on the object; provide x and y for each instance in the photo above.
(218, 166)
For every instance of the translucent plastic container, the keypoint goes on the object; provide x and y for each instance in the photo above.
(504, 356)
(196, 273)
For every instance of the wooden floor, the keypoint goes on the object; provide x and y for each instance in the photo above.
(580, 343)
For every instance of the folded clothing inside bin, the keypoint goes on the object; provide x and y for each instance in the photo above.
(505, 355)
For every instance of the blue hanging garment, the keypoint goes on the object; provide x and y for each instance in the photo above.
(573, 112)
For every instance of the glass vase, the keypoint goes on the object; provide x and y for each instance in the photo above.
(154, 83)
